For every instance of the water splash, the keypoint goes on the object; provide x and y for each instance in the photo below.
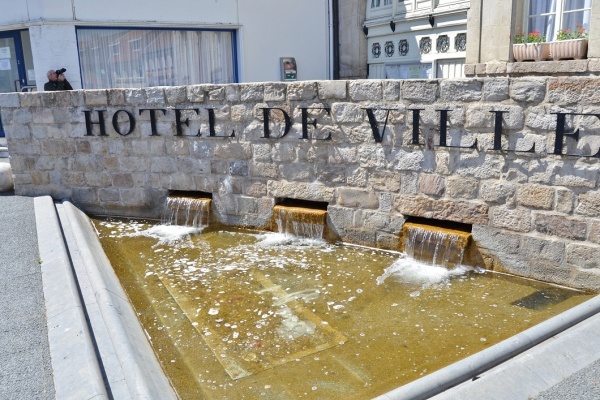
(412, 272)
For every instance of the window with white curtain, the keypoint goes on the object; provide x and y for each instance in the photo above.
(116, 58)
(550, 16)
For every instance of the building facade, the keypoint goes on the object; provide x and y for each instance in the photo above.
(495, 27)
(113, 44)
(421, 39)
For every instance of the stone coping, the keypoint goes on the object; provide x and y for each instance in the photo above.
(588, 67)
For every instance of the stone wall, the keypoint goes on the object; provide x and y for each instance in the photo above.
(534, 213)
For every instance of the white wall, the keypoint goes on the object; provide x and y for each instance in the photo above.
(279, 28)
(54, 47)
(267, 30)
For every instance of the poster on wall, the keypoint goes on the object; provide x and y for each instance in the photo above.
(409, 71)
(4, 52)
(288, 69)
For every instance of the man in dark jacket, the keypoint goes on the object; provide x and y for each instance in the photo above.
(57, 82)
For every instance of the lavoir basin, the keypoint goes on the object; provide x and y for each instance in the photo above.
(242, 314)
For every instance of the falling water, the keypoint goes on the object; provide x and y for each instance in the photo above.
(300, 221)
(186, 211)
(438, 246)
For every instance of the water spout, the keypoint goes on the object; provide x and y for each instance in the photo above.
(434, 245)
(186, 211)
(300, 221)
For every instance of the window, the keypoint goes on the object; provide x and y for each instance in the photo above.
(113, 58)
(379, 3)
(550, 16)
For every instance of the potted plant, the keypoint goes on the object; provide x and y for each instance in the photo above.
(570, 44)
(530, 47)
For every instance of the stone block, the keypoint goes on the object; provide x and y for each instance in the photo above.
(155, 96)
(9, 100)
(384, 181)
(561, 226)
(530, 90)
(516, 220)
(496, 240)
(420, 91)
(535, 247)
(589, 204)
(564, 201)
(574, 90)
(122, 180)
(116, 97)
(357, 198)
(232, 93)
(365, 89)
(135, 96)
(496, 68)
(98, 97)
(594, 231)
(464, 90)
(347, 112)
(30, 99)
(176, 95)
(433, 185)
(583, 256)
(332, 90)
(391, 90)
(216, 93)
(451, 210)
(469, 69)
(535, 196)
(301, 91)
(275, 91)
(497, 192)
(495, 89)
(252, 92)
(301, 191)
(195, 93)
(459, 187)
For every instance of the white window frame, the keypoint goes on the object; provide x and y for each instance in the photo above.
(556, 18)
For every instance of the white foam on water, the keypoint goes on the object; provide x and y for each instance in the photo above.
(168, 234)
(281, 239)
(409, 271)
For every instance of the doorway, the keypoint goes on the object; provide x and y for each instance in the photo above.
(16, 64)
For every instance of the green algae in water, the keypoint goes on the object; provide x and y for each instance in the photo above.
(238, 314)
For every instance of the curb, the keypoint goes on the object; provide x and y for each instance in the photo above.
(132, 369)
(77, 373)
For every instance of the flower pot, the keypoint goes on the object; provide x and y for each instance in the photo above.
(574, 48)
(531, 51)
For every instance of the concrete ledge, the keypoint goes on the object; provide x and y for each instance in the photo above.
(131, 351)
(77, 373)
(471, 367)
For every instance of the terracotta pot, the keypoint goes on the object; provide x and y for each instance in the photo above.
(574, 48)
(531, 51)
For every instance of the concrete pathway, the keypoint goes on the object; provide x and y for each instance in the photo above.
(25, 365)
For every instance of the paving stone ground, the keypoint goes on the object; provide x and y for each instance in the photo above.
(25, 366)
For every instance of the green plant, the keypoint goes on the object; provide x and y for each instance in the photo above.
(578, 33)
(531, 37)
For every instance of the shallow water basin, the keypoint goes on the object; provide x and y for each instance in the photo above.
(238, 314)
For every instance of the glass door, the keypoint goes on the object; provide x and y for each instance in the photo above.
(12, 65)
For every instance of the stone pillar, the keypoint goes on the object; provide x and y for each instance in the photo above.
(473, 32)
(594, 37)
(496, 30)
(353, 43)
